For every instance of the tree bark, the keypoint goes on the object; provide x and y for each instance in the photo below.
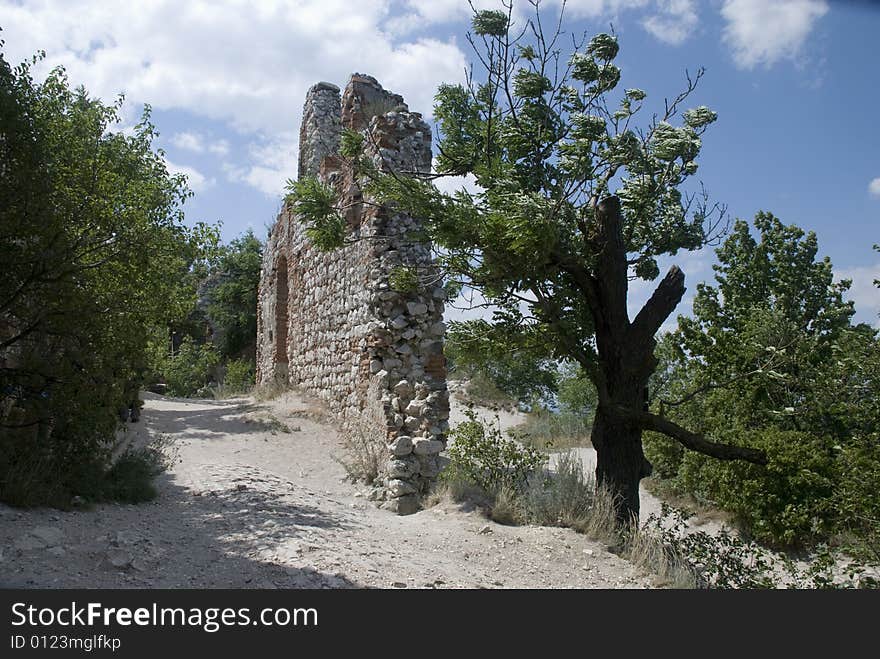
(626, 361)
(620, 460)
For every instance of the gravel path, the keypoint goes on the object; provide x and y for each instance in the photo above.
(249, 505)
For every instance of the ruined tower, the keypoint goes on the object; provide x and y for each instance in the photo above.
(332, 324)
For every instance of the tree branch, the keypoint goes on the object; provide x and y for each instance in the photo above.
(662, 303)
(693, 441)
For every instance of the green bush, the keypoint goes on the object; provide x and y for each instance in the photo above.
(664, 454)
(481, 390)
(857, 500)
(130, 479)
(239, 377)
(786, 503)
(190, 369)
(480, 455)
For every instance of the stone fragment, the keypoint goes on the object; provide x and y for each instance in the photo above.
(398, 487)
(119, 558)
(402, 445)
(427, 446)
(414, 408)
(416, 308)
(403, 389)
(50, 535)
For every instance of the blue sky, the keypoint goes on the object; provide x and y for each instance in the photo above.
(796, 85)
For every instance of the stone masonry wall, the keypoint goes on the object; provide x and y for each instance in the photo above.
(331, 323)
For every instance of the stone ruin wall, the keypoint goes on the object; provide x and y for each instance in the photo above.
(330, 324)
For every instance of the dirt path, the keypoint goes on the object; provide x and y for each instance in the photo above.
(248, 505)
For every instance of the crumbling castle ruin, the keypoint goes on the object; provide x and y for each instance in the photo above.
(332, 324)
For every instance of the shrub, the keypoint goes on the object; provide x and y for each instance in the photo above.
(365, 451)
(569, 498)
(664, 454)
(189, 370)
(239, 377)
(857, 499)
(698, 559)
(130, 478)
(786, 503)
(481, 390)
(479, 454)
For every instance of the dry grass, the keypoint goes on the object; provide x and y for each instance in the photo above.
(270, 390)
(551, 431)
(464, 496)
(365, 453)
(650, 554)
(569, 498)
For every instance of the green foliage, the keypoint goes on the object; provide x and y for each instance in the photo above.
(480, 455)
(770, 359)
(351, 144)
(788, 503)
(490, 23)
(130, 478)
(726, 561)
(404, 280)
(230, 295)
(239, 376)
(316, 201)
(481, 390)
(857, 497)
(190, 369)
(517, 362)
(664, 454)
(95, 252)
(576, 392)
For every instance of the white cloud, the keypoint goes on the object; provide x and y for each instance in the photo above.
(197, 143)
(674, 22)
(766, 31)
(244, 64)
(197, 181)
(874, 188)
(451, 184)
(863, 291)
(600, 8)
(188, 142)
(271, 163)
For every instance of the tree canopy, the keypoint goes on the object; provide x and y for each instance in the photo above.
(94, 249)
(575, 196)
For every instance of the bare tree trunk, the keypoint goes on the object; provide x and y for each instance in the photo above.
(620, 464)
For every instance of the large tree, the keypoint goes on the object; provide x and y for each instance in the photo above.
(770, 357)
(573, 201)
(93, 250)
(229, 295)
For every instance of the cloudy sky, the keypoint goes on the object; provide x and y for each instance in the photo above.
(794, 82)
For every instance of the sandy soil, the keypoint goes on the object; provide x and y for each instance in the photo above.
(248, 505)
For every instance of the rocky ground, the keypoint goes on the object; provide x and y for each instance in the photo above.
(255, 499)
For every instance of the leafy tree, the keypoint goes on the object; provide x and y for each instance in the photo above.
(517, 362)
(573, 200)
(230, 293)
(770, 356)
(93, 247)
